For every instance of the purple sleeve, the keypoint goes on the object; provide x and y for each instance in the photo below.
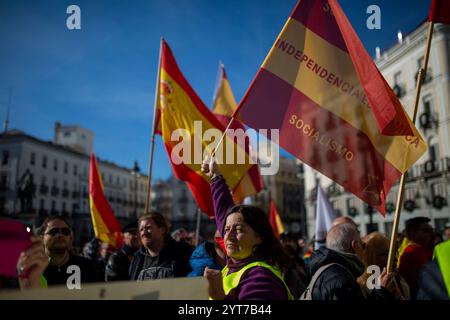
(222, 201)
(259, 283)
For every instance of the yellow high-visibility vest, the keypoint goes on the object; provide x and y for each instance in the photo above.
(231, 281)
(442, 255)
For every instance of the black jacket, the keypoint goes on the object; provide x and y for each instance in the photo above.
(430, 285)
(172, 262)
(58, 275)
(119, 264)
(336, 283)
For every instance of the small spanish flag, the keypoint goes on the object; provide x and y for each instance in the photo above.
(223, 107)
(106, 227)
(275, 220)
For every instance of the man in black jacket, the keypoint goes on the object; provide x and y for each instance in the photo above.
(119, 262)
(341, 255)
(58, 239)
(160, 256)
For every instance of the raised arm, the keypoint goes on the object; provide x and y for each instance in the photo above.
(222, 199)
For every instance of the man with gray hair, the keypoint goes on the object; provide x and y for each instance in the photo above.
(335, 268)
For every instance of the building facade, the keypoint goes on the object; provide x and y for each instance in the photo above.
(427, 190)
(41, 178)
(286, 188)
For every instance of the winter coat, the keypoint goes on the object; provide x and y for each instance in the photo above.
(203, 256)
(171, 262)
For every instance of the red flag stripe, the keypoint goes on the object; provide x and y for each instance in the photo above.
(169, 64)
(440, 11)
(100, 201)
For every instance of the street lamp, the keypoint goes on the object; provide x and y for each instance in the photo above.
(135, 172)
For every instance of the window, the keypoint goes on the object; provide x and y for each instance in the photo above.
(55, 182)
(32, 158)
(66, 167)
(75, 170)
(397, 77)
(434, 152)
(372, 228)
(42, 204)
(43, 180)
(65, 184)
(63, 207)
(44, 162)
(67, 134)
(4, 181)
(388, 227)
(53, 205)
(110, 179)
(55, 165)
(427, 105)
(5, 157)
(420, 62)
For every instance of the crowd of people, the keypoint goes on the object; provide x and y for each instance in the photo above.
(245, 260)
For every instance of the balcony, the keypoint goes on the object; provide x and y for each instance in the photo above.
(399, 90)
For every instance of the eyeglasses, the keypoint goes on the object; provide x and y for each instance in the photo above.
(64, 231)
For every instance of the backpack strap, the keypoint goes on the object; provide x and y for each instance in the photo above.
(307, 294)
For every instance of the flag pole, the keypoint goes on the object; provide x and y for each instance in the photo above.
(197, 229)
(148, 201)
(420, 77)
(223, 136)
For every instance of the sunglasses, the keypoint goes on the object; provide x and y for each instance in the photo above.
(64, 231)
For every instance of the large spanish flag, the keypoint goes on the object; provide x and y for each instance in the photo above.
(223, 107)
(185, 125)
(106, 227)
(334, 109)
(440, 11)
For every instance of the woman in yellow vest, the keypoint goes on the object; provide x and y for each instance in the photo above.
(254, 255)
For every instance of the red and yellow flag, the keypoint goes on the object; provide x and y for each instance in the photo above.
(106, 227)
(223, 107)
(275, 220)
(440, 11)
(333, 108)
(185, 123)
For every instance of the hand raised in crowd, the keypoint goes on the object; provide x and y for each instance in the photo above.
(210, 167)
(386, 278)
(32, 264)
(215, 283)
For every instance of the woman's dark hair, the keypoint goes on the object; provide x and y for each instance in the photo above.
(269, 250)
(158, 219)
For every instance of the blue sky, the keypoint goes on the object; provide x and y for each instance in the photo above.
(102, 77)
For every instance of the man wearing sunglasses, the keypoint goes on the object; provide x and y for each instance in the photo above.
(58, 240)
